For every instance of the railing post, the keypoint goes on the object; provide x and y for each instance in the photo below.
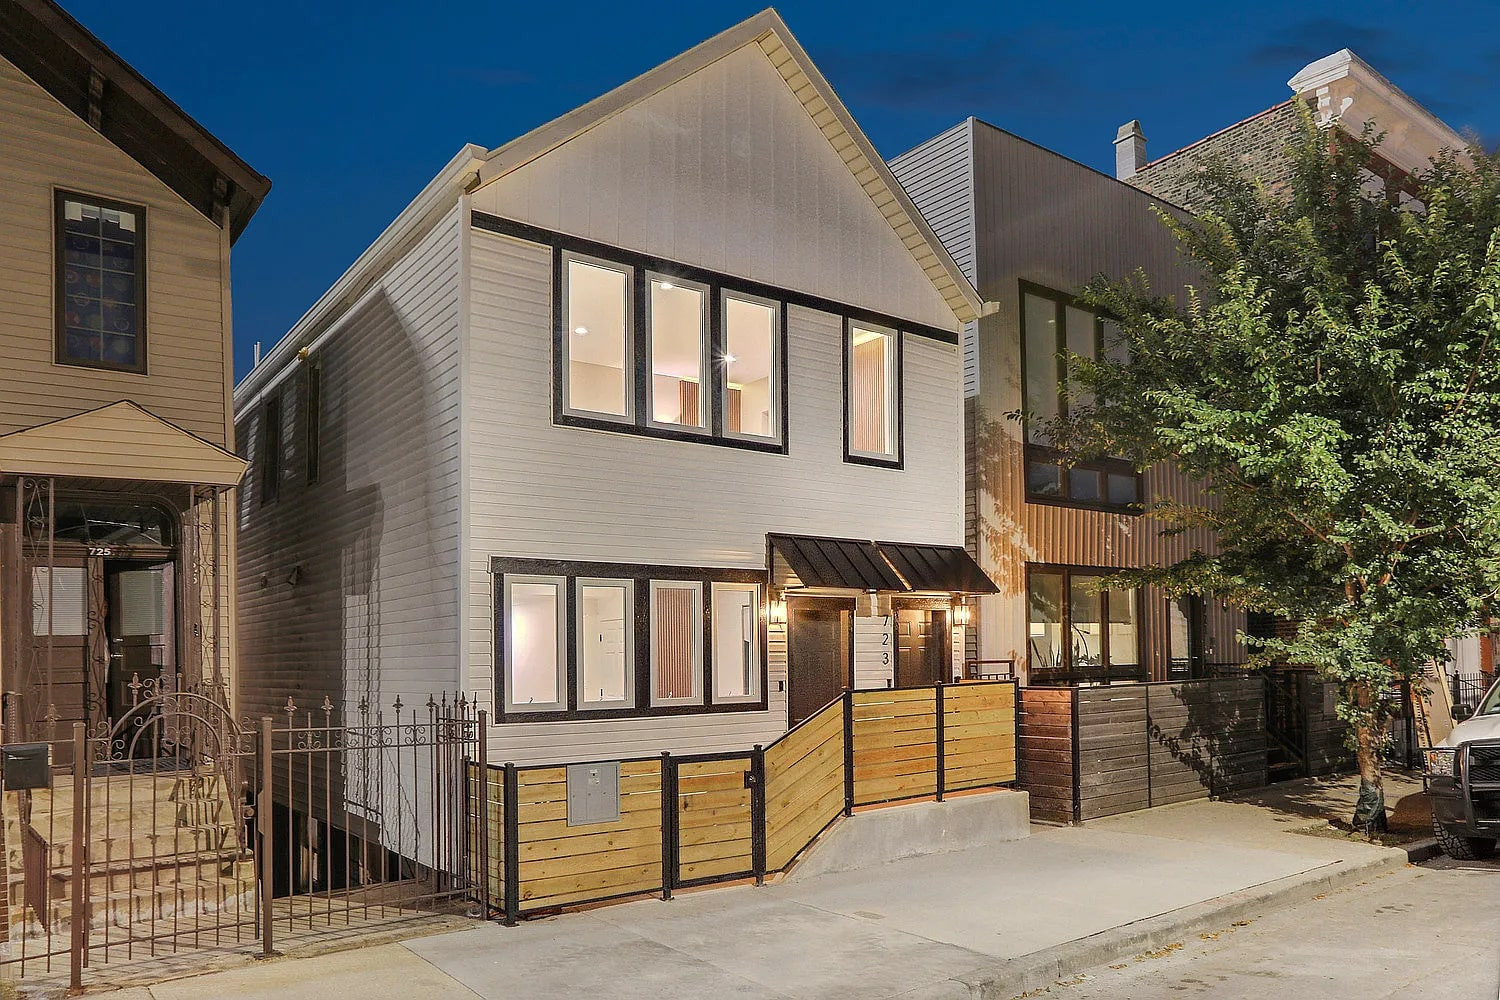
(938, 698)
(758, 814)
(668, 825)
(80, 858)
(484, 811)
(848, 751)
(265, 829)
(511, 807)
(1150, 790)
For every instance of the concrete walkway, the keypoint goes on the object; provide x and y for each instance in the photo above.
(993, 922)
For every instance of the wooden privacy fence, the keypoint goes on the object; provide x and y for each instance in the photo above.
(690, 820)
(1089, 752)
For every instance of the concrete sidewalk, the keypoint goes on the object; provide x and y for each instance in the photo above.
(993, 922)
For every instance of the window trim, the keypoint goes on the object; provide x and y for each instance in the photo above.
(701, 658)
(897, 459)
(578, 583)
(312, 407)
(709, 378)
(59, 298)
(757, 593)
(271, 450)
(562, 357)
(778, 360)
(1140, 671)
(1036, 453)
(505, 629)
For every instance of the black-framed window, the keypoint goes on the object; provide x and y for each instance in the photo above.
(101, 283)
(1079, 632)
(312, 415)
(1053, 327)
(580, 640)
(270, 448)
(872, 393)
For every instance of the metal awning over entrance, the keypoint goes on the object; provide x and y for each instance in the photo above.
(852, 564)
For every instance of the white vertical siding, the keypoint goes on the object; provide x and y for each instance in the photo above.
(374, 611)
(544, 491)
(874, 652)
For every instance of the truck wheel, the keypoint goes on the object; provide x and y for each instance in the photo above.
(1462, 848)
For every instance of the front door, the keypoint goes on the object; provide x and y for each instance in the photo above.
(1185, 618)
(922, 647)
(139, 626)
(820, 646)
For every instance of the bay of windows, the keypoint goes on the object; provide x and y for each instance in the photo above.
(1078, 631)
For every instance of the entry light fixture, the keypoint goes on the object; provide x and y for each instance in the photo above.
(776, 608)
(962, 614)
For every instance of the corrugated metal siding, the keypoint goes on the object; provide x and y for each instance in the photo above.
(45, 146)
(726, 171)
(374, 612)
(544, 491)
(1044, 219)
(938, 176)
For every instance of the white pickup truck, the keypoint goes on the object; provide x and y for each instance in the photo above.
(1463, 782)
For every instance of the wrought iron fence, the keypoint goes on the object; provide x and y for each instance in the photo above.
(1468, 687)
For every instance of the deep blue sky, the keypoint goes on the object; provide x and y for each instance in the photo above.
(351, 108)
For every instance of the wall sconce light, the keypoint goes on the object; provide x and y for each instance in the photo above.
(294, 575)
(776, 609)
(962, 613)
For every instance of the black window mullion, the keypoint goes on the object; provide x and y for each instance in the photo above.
(641, 336)
(570, 636)
(717, 371)
(1104, 656)
(1065, 616)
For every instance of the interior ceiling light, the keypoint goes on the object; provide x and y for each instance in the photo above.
(667, 286)
(730, 359)
(582, 331)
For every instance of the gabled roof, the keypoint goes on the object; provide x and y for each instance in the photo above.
(122, 441)
(64, 58)
(770, 33)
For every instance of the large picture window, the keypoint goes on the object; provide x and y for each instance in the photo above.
(596, 323)
(1053, 328)
(101, 283)
(1079, 632)
(872, 379)
(535, 652)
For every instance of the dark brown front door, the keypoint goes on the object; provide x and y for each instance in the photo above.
(922, 647)
(819, 647)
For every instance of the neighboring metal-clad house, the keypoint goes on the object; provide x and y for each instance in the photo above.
(566, 435)
(1030, 228)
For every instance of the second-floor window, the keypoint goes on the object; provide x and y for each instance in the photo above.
(1053, 328)
(101, 283)
(872, 380)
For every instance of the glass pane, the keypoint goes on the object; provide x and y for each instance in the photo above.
(533, 644)
(59, 601)
(751, 373)
(736, 626)
(1116, 347)
(100, 268)
(872, 397)
(112, 524)
(1123, 489)
(676, 631)
(604, 643)
(1085, 484)
(1081, 340)
(1044, 479)
(1045, 628)
(678, 391)
(1085, 627)
(598, 347)
(1041, 366)
(1124, 647)
(1179, 640)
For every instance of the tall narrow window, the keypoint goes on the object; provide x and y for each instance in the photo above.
(872, 420)
(596, 326)
(736, 642)
(752, 367)
(270, 448)
(313, 416)
(101, 283)
(1046, 628)
(676, 643)
(535, 652)
(606, 650)
(678, 331)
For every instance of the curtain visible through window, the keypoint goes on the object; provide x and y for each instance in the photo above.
(870, 371)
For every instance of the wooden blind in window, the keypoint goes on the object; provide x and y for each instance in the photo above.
(734, 419)
(867, 424)
(687, 393)
(676, 626)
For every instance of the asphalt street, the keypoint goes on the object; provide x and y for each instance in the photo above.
(1428, 931)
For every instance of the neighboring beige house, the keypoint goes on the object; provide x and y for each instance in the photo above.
(117, 212)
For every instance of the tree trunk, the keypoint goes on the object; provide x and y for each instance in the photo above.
(1369, 808)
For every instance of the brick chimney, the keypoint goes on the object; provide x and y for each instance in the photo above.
(1130, 150)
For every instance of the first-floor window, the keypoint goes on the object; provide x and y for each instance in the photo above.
(535, 655)
(676, 643)
(1078, 631)
(736, 635)
(606, 650)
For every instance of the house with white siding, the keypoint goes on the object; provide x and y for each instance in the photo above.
(645, 427)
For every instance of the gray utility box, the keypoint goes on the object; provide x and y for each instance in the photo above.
(26, 766)
(593, 793)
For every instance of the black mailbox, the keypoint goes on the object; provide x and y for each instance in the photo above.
(25, 765)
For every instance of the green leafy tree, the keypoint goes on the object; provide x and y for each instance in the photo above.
(1334, 380)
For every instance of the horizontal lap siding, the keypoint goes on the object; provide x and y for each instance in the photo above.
(541, 491)
(714, 834)
(1113, 773)
(46, 146)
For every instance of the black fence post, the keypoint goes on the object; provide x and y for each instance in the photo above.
(668, 825)
(512, 844)
(941, 782)
(483, 787)
(758, 814)
(1150, 788)
(848, 751)
(1077, 757)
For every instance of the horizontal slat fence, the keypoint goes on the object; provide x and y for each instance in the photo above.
(1092, 752)
(693, 820)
